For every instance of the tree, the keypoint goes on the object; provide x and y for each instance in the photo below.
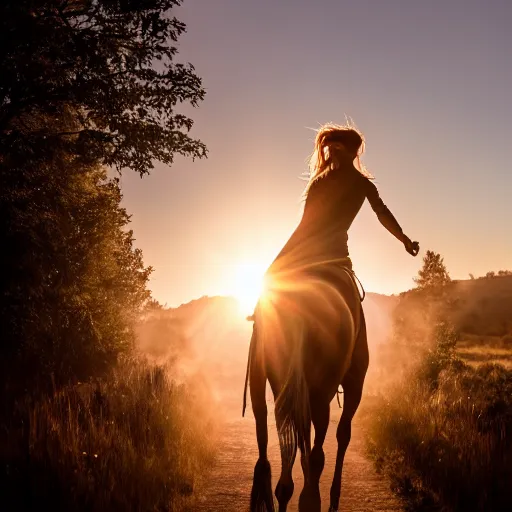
(433, 273)
(85, 84)
(107, 65)
(71, 279)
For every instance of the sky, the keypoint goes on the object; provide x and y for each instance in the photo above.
(428, 83)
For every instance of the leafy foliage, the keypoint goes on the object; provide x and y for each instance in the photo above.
(85, 84)
(449, 445)
(107, 64)
(439, 356)
(72, 281)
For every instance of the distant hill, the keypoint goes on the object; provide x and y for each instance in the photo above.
(484, 306)
(216, 320)
(206, 326)
(211, 332)
(481, 307)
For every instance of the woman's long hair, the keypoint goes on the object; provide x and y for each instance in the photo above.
(333, 146)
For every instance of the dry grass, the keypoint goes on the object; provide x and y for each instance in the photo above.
(136, 441)
(448, 445)
(477, 350)
(441, 425)
(475, 356)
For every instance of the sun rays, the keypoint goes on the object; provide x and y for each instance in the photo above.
(247, 285)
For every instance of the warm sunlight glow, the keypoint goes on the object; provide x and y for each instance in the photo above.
(248, 285)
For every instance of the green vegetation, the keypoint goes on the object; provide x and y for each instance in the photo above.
(74, 283)
(87, 87)
(441, 429)
(84, 85)
(99, 78)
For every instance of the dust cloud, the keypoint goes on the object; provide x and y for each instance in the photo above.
(206, 341)
(203, 343)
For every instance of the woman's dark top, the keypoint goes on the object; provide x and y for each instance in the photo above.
(332, 203)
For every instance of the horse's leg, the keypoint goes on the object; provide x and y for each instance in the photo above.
(304, 455)
(310, 496)
(352, 392)
(261, 494)
(284, 488)
(320, 416)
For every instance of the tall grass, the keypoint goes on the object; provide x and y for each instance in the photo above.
(443, 433)
(134, 441)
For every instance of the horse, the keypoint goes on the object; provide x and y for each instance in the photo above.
(309, 337)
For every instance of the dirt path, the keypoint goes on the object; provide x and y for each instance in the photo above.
(229, 487)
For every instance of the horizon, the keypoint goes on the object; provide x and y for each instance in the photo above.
(367, 292)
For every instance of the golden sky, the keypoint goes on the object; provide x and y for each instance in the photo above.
(428, 84)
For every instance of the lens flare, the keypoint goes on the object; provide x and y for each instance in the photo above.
(248, 286)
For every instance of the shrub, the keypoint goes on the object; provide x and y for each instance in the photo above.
(450, 444)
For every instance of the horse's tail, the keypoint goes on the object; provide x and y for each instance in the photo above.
(292, 408)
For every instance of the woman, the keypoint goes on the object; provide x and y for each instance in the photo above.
(333, 197)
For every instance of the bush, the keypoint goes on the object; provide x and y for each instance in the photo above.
(451, 444)
(133, 441)
(440, 356)
(442, 430)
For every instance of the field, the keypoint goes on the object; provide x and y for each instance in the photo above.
(477, 350)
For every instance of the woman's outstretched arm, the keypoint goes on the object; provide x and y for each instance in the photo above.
(388, 220)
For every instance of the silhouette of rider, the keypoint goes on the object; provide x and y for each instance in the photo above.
(336, 190)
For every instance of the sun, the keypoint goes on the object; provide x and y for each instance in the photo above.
(247, 285)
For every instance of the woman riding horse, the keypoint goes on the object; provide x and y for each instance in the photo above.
(309, 332)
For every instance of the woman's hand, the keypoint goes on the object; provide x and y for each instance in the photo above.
(413, 248)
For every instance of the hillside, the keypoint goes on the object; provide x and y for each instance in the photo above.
(484, 306)
(478, 307)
